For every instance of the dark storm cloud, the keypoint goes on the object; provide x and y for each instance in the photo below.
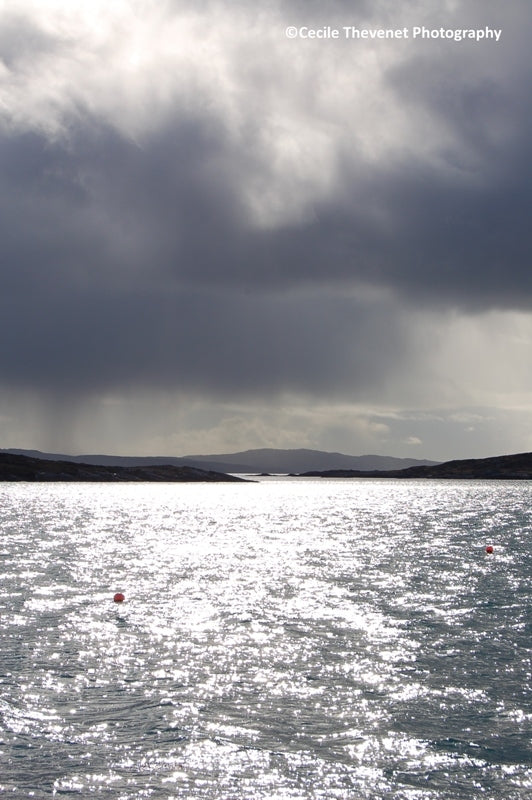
(172, 208)
(86, 339)
(81, 312)
(137, 261)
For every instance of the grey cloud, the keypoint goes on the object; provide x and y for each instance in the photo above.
(136, 261)
(173, 207)
(214, 342)
(122, 267)
(22, 40)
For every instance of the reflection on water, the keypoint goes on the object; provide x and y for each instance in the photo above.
(282, 639)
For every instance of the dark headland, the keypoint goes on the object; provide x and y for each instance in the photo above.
(15, 467)
(24, 468)
(512, 467)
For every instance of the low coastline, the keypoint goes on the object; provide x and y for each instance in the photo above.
(23, 468)
(510, 467)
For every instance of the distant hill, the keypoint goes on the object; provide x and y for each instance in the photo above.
(285, 461)
(511, 467)
(248, 461)
(15, 467)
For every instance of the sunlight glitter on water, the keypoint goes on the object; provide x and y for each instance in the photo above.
(277, 640)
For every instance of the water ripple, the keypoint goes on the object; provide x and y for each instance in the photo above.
(278, 640)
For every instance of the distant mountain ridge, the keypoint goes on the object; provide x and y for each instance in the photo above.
(286, 461)
(247, 461)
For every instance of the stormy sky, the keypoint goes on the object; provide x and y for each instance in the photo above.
(216, 237)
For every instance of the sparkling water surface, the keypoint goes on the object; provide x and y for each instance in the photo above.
(283, 639)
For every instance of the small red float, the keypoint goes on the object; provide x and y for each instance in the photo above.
(119, 597)
(489, 549)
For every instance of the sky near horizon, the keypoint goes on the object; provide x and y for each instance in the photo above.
(223, 226)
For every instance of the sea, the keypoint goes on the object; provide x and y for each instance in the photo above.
(279, 639)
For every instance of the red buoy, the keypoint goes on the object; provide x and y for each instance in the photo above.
(489, 548)
(119, 597)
